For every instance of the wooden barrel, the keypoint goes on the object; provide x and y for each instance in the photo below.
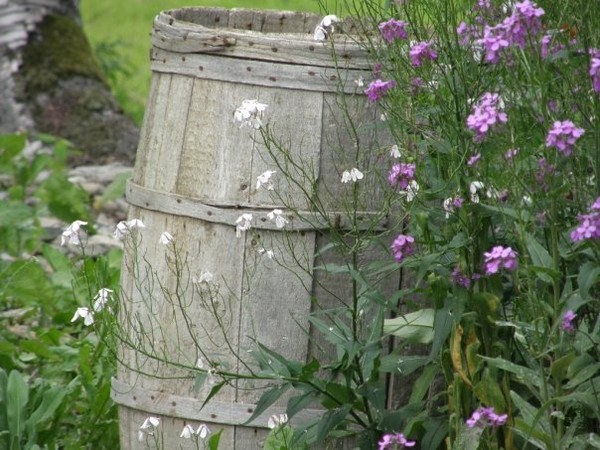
(196, 173)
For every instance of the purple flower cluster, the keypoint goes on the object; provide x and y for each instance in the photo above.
(403, 246)
(595, 71)
(401, 174)
(589, 224)
(391, 441)
(420, 52)
(567, 321)
(525, 21)
(485, 417)
(563, 136)
(378, 88)
(500, 258)
(393, 29)
(486, 113)
(474, 159)
(459, 278)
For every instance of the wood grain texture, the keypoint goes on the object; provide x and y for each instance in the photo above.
(196, 173)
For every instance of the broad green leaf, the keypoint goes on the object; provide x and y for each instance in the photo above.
(415, 327)
(538, 253)
(522, 374)
(299, 402)
(282, 438)
(421, 386)
(330, 420)
(17, 395)
(267, 399)
(213, 441)
(588, 274)
(10, 146)
(51, 400)
(488, 392)
(533, 423)
(560, 366)
(468, 438)
(582, 375)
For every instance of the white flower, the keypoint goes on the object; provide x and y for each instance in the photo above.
(383, 117)
(124, 228)
(72, 233)
(148, 427)
(276, 420)
(205, 277)
(243, 223)
(277, 216)
(352, 175)
(101, 299)
(269, 253)
(85, 314)
(527, 201)
(411, 190)
(202, 431)
(200, 363)
(165, 238)
(325, 27)
(265, 179)
(360, 82)
(473, 188)
(187, 432)
(448, 206)
(250, 113)
(395, 151)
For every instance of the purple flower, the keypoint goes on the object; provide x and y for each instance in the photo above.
(595, 73)
(589, 224)
(494, 40)
(500, 258)
(378, 88)
(485, 417)
(486, 113)
(416, 84)
(563, 136)
(403, 246)
(401, 174)
(394, 441)
(420, 52)
(393, 29)
(545, 45)
(567, 322)
(377, 70)
(459, 278)
(474, 159)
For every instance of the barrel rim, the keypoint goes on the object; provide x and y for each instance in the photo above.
(171, 33)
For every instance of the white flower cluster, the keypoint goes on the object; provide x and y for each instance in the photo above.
(325, 27)
(101, 301)
(250, 113)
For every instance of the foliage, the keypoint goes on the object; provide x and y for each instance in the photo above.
(55, 377)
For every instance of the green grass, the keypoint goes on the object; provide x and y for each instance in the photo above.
(120, 32)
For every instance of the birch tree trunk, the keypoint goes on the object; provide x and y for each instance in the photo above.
(50, 82)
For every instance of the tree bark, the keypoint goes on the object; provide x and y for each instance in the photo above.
(50, 82)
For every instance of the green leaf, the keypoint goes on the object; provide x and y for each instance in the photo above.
(10, 146)
(533, 423)
(415, 327)
(214, 391)
(267, 399)
(330, 420)
(213, 441)
(468, 438)
(488, 391)
(539, 255)
(17, 395)
(582, 375)
(421, 386)
(560, 366)
(588, 274)
(522, 374)
(299, 402)
(51, 400)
